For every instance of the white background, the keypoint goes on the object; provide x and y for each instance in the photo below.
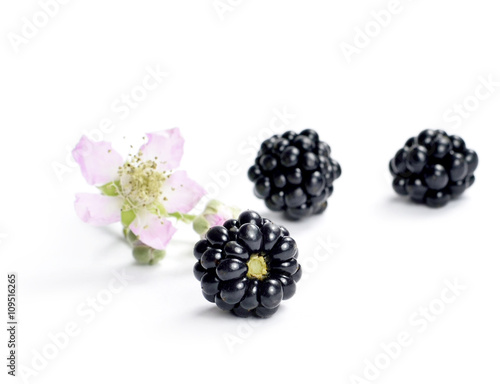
(227, 78)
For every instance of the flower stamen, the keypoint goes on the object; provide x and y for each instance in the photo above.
(142, 184)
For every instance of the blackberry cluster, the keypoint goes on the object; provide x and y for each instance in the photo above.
(247, 266)
(294, 173)
(433, 167)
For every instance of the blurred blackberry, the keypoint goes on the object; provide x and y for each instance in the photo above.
(294, 173)
(247, 266)
(433, 168)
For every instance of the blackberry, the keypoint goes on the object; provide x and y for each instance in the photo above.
(247, 266)
(294, 173)
(433, 168)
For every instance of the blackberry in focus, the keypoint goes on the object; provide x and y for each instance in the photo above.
(294, 173)
(433, 168)
(248, 266)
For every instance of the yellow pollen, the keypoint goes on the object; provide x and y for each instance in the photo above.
(141, 182)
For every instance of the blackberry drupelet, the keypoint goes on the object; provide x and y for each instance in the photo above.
(247, 266)
(294, 173)
(433, 168)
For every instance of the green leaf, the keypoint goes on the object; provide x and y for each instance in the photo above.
(128, 217)
(111, 189)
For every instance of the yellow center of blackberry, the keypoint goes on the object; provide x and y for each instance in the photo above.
(141, 182)
(257, 267)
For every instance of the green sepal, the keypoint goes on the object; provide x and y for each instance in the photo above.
(201, 225)
(142, 254)
(158, 209)
(147, 255)
(128, 217)
(130, 236)
(157, 254)
(184, 217)
(110, 189)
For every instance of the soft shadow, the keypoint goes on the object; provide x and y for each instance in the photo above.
(114, 234)
(214, 312)
(397, 204)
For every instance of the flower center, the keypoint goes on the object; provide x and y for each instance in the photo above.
(141, 182)
(257, 267)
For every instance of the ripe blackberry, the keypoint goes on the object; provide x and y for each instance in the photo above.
(433, 168)
(247, 266)
(294, 173)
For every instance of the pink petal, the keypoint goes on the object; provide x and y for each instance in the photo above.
(152, 230)
(216, 219)
(165, 147)
(98, 209)
(182, 193)
(98, 161)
